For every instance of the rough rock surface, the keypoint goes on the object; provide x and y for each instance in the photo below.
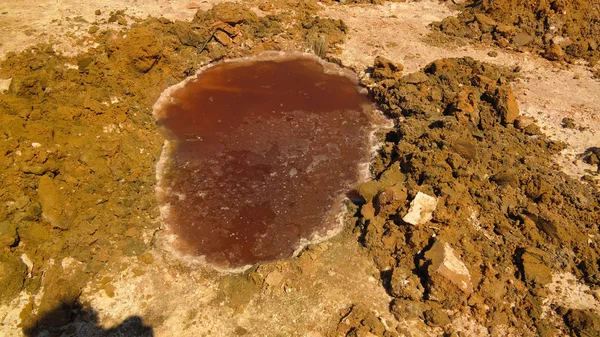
(506, 218)
(558, 30)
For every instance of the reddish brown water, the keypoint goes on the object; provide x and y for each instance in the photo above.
(263, 149)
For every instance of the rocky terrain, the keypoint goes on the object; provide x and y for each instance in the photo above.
(480, 216)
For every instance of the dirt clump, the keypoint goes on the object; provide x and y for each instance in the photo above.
(505, 219)
(79, 142)
(558, 30)
(582, 322)
(592, 156)
(360, 321)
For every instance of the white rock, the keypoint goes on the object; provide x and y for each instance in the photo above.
(4, 84)
(421, 209)
(28, 263)
(446, 263)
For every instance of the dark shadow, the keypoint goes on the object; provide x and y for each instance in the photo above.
(386, 280)
(355, 197)
(77, 320)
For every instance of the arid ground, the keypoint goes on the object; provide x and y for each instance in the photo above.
(480, 215)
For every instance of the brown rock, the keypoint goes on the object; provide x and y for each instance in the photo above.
(384, 68)
(407, 309)
(465, 148)
(53, 203)
(532, 130)
(265, 6)
(448, 275)
(436, 317)
(12, 276)
(405, 284)
(223, 38)
(522, 122)
(507, 105)
(554, 53)
(369, 189)
(486, 24)
(464, 107)
(368, 211)
(505, 30)
(535, 270)
(522, 39)
(8, 234)
(583, 322)
(390, 199)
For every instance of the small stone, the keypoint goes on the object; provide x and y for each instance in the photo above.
(390, 199)
(522, 122)
(98, 12)
(392, 175)
(93, 29)
(508, 177)
(131, 233)
(445, 265)
(465, 108)
(405, 284)
(504, 30)
(583, 322)
(384, 68)
(53, 203)
(192, 5)
(532, 130)
(405, 310)
(265, 6)
(436, 317)
(554, 53)
(507, 105)
(421, 209)
(223, 38)
(368, 211)
(535, 271)
(138, 272)
(109, 289)
(486, 24)
(146, 258)
(522, 39)
(493, 53)
(274, 278)
(369, 189)
(8, 234)
(591, 158)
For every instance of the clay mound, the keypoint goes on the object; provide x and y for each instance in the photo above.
(558, 30)
(505, 217)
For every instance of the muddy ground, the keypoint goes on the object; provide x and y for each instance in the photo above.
(510, 247)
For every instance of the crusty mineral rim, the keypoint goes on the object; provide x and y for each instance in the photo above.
(334, 222)
(328, 67)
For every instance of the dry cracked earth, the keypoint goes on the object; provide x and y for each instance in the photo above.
(479, 215)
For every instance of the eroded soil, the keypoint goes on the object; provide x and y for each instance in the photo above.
(558, 30)
(80, 231)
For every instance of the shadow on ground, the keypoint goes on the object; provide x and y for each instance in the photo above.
(76, 320)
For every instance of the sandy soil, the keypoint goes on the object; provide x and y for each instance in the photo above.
(192, 305)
